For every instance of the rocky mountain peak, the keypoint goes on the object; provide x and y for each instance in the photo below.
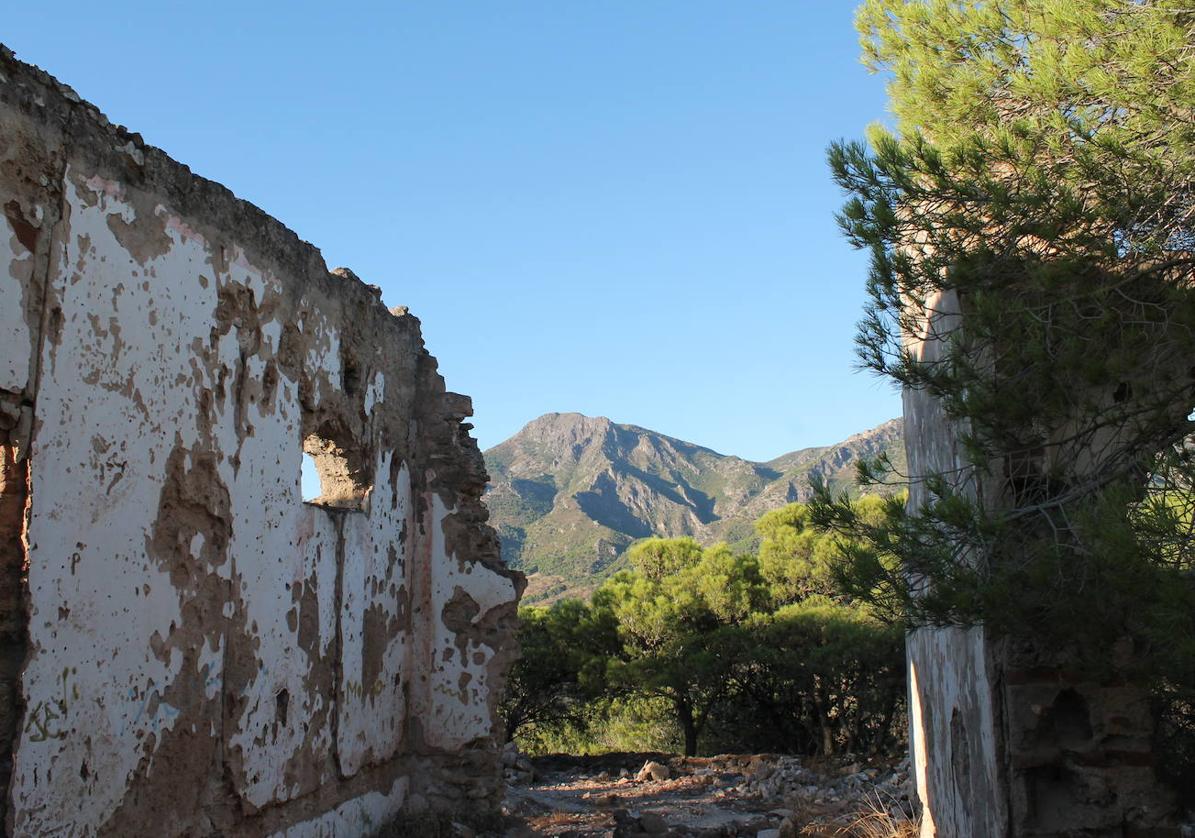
(569, 492)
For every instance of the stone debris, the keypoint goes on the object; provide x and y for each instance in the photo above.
(785, 778)
(510, 754)
(516, 768)
(730, 796)
(652, 771)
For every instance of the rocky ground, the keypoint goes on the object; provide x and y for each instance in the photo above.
(760, 795)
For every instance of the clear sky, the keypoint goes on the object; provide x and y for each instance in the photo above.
(615, 207)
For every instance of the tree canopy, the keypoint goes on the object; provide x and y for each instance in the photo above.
(732, 655)
(1041, 178)
(1033, 270)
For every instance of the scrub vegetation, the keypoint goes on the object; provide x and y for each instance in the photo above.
(709, 649)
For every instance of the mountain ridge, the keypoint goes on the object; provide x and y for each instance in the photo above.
(569, 493)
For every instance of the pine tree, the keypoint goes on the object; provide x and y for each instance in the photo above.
(1041, 175)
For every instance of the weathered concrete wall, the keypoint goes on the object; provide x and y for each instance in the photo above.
(193, 649)
(952, 699)
(1005, 740)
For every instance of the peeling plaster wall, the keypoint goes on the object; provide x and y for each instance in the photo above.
(192, 649)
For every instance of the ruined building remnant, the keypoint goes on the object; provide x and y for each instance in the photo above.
(1006, 741)
(186, 647)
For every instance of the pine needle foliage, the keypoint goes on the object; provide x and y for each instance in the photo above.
(1029, 222)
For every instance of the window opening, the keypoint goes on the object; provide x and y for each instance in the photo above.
(333, 474)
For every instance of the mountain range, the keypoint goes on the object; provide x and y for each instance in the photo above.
(569, 493)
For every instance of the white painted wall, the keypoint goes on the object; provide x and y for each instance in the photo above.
(361, 815)
(375, 574)
(109, 414)
(952, 725)
(457, 682)
(132, 379)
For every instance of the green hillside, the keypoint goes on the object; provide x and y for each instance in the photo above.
(569, 493)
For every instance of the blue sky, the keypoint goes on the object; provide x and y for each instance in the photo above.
(615, 207)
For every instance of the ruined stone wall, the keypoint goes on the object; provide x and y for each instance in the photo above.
(186, 647)
(953, 700)
(1005, 739)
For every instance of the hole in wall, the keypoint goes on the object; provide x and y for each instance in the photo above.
(334, 474)
(310, 479)
(282, 706)
(1068, 721)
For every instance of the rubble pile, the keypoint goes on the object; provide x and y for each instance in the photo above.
(727, 796)
(516, 768)
(783, 777)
